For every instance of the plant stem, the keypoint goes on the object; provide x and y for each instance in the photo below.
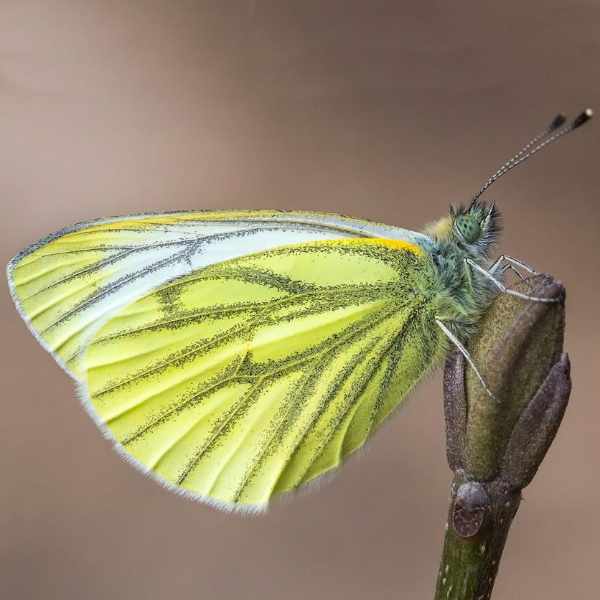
(469, 566)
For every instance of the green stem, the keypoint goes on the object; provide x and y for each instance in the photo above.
(469, 565)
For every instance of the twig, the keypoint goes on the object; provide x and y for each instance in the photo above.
(495, 448)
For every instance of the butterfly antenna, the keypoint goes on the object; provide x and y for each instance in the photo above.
(555, 130)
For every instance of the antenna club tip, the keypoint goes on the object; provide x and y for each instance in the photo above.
(558, 120)
(583, 117)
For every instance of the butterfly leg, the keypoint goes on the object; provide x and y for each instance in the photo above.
(512, 261)
(465, 353)
(503, 288)
(501, 265)
(508, 267)
(506, 263)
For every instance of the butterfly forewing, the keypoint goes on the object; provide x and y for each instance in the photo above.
(66, 285)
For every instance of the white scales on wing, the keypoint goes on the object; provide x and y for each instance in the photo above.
(119, 260)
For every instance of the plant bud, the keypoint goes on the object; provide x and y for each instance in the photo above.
(518, 351)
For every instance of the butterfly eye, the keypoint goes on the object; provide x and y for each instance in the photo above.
(469, 228)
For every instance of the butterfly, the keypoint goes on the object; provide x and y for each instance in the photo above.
(237, 355)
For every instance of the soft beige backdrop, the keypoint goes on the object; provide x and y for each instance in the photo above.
(387, 110)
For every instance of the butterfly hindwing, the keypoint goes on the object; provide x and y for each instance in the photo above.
(66, 285)
(254, 376)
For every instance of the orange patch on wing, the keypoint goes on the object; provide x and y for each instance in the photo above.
(387, 242)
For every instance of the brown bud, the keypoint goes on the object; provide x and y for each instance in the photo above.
(469, 509)
(518, 351)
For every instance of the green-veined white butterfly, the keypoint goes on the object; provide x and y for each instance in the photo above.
(237, 355)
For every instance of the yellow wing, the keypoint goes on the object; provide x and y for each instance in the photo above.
(254, 376)
(67, 284)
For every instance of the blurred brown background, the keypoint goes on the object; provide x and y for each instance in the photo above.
(387, 110)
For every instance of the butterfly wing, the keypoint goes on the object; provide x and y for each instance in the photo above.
(67, 284)
(254, 376)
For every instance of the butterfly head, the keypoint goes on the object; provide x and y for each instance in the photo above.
(474, 228)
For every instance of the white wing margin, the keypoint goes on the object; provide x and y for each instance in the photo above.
(66, 285)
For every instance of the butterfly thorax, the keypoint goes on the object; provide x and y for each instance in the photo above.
(464, 293)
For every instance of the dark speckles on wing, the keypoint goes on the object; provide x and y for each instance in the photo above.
(69, 281)
(303, 347)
